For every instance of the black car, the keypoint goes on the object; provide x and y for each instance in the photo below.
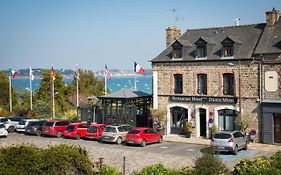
(35, 127)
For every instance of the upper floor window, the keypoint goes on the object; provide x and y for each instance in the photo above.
(202, 84)
(177, 53)
(228, 51)
(228, 84)
(178, 84)
(201, 48)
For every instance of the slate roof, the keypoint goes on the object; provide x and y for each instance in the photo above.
(127, 93)
(245, 38)
(270, 41)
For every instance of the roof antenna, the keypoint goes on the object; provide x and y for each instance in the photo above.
(176, 17)
(237, 21)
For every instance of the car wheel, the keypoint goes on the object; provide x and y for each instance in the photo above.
(38, 132)
(119, 140)
(235, 151)
(160, 140)
(143, 143)
(59, 134)
(11, 129)
(77, 136)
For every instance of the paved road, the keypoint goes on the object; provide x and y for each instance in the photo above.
(168, 153)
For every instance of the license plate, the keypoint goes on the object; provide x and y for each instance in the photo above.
(130, 141)
(28, 130)
(106, 137)
(220, 147)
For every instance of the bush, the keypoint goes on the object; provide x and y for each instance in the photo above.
(21, 159)
(276, 160)
(209, 164)
(60, 159)
(107, 170)
(260, 165)
(67, 159)
(157, 169)
(186, 171)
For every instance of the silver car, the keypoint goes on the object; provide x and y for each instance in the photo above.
(231, 141)
(115, 133)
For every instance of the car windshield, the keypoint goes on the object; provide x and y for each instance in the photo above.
(134, 132)
(222, 136)
(70, 128)
(109, 129)
(22, 122)
(49, 124)
(3, 120)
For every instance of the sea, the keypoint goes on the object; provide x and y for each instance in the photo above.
(144, 83)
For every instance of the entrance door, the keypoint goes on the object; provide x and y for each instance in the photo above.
(202, 115)
(178, 117)
(277, 128)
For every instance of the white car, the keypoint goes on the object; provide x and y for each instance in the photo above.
(9, 125)
(23, 123)
(3, 131)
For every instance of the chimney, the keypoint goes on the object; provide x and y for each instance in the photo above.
(172, 33)
(272, 17)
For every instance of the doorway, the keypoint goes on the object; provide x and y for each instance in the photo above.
(203, 123)
(178, 116)
(277, 128)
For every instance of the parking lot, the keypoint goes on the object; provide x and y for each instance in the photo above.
(170, 154)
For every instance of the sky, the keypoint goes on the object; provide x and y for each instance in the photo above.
(92, 33)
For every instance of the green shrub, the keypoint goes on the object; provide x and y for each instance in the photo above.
(107, 170)
(21, 159)
(209, 164)
(260, 165)
(157, 169)
(67, 159)
(186, 171)
(276, 160)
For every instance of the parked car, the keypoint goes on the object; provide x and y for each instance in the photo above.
(95, 131)
(115, 133)
(9, 125)
(3, 131)
(143, 136)
(23, 123)
(55, 127)
(16, 119)
(35, 127)
(76, 130)
(231, 141)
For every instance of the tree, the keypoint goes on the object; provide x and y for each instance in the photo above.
(4, 92)
(89, 85)
(159, 117)
(44, 93)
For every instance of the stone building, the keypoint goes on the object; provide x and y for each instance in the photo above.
(209, 76)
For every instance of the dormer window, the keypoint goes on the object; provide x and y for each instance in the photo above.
(228, 51)
(228, 46)
(177, 52)
(201, 48)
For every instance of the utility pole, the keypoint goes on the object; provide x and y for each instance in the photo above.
(239, 79)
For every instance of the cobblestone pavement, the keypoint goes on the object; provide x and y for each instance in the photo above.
(171, 154)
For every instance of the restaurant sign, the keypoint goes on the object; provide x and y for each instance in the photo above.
(204, 99)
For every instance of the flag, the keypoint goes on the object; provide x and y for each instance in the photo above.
(31, 76)
(53, 73)
(138, 68)
(107, 72)
(77, 75)
(13, 73)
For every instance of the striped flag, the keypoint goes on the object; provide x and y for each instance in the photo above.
(13, 73)
(107, 73)
(138, 68)
(53, 73)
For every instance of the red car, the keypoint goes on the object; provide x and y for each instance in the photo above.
(76, 130)
(94, 131)
(143, 136)
(54, 127)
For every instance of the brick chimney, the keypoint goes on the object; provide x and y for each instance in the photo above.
(272, 17)
(172, 33)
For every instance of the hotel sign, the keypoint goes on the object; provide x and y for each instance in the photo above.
(204, 99)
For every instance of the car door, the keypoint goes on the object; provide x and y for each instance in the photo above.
(147, 135)
(82, 129)
(154, 135)
(123, 132)
(237, 139)
(241, 139)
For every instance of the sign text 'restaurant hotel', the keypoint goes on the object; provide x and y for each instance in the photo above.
(204, 99)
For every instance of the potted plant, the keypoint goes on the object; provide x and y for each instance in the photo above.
(188, 129)
(159, 117)
(213, 129)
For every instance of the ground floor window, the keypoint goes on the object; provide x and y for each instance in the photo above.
(178, 116)
(227, 120)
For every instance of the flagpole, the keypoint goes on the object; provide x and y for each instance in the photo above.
(77, 89)
(30, 86)
(10, 93)
(135, 82)
(105, 84)
(53, 89)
